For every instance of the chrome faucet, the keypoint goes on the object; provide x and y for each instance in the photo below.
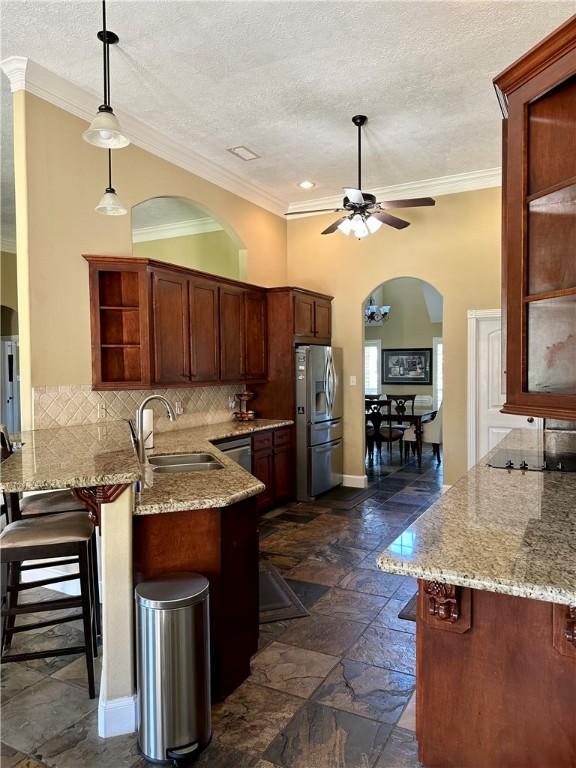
(140, 421)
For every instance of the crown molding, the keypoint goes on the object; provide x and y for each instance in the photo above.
(26, 74)
(176, 229)
(442, 185)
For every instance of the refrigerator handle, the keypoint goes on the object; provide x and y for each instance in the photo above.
(330, 381)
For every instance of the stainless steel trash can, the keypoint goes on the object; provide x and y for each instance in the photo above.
(173, 667)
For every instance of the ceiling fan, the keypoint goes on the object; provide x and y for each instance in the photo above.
(365, 215)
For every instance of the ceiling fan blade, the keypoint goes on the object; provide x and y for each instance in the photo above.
(415, 202)
(392, 221)
(317, 210)
(354, 195)
(334, 226)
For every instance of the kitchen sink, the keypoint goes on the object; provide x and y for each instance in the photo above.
(185, 462)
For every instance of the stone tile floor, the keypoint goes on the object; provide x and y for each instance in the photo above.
(331, 690)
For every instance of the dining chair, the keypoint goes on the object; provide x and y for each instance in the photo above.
(388, 431)
(431, 434)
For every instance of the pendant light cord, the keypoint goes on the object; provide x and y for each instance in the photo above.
(360, 157)
(109, 169)
(106, 55)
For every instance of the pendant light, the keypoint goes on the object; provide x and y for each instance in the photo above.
(110, 204)
(104, 130)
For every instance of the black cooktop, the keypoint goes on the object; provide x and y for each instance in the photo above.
(533, 461)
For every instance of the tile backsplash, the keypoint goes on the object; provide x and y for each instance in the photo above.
(66, 405)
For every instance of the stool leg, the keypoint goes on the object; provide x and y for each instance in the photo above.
(84, 558)
(11, 602)
(94, 547)
(92, 598)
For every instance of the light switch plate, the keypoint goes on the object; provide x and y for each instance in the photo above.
(352, 381)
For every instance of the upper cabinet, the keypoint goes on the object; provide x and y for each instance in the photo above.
(538, 97)
(312, 317)
(155, 323)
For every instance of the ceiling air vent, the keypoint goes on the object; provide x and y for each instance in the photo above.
(243, 153)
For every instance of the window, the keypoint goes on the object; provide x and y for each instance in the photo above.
(438, 353)
(372, 355)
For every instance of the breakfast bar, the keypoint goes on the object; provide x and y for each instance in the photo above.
(211, 528)
(496, 616)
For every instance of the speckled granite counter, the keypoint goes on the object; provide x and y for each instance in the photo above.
(499, 531)
(71, 457)
(200, 490)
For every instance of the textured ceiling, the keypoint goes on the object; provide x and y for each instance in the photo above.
(284, 78)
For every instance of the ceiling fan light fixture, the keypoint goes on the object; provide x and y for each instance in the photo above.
(358, 226)
(373, 224)
(104, 130)
(110, 204)
(345, 226)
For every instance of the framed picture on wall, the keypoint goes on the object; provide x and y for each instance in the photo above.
(407, 366)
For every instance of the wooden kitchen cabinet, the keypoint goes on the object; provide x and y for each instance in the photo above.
(231, 333)
(273, 465)
(171, 323)
(538, 98)
(255, 336)
(204, 330)
(312, 317)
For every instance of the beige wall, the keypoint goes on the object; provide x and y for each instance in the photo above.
(454, 246)
(408, 325)
(59, 180)
(213, 252)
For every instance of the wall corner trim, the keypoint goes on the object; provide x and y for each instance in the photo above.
(355, 481)
(116, 717)
(14, 67)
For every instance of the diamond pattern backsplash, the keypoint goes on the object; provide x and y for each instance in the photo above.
(67, 405)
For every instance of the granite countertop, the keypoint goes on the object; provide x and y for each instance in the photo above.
(500, 531)
(200, 490)
(71, 457)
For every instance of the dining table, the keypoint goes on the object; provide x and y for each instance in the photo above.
(417, 416)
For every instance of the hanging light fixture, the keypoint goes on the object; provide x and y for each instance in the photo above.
(110, 204)
(104, 130)
(375, 315)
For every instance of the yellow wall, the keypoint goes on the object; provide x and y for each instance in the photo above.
(213, 252)
(59, 180)
(408, 326)
(8, 278)
(454, 246)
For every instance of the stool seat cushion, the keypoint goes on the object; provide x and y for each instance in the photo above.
(65, 528)
(50, 502)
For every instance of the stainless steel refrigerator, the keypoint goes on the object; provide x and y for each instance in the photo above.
(319, 452)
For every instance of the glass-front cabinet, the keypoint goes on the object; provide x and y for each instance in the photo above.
(538, 98)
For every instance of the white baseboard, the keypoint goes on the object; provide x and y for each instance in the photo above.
(446, 488)
(355, 481)
(116, 717)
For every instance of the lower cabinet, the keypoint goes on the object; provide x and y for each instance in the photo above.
(273, 465)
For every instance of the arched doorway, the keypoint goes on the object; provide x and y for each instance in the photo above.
(402, 375)
(179, 231)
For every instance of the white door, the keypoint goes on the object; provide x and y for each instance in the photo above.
(486, 393)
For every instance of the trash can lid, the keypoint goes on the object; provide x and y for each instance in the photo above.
(174, 590)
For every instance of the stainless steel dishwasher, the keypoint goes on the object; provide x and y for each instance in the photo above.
(239, 450)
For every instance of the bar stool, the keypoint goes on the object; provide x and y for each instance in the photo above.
(66, 535)
(51, 503)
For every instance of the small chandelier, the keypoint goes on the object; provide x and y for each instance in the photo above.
(110, 204)
(375, 315)
(104, 130)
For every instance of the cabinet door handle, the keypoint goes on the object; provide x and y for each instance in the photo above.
(530, 420)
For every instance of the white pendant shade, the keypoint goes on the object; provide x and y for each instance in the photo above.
(110, 204)
(105, 132)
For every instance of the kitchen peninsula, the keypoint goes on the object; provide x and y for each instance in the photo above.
(211, 528)
(496, 617)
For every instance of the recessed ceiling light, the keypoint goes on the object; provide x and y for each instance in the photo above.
(243, 152)
(306, 184)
